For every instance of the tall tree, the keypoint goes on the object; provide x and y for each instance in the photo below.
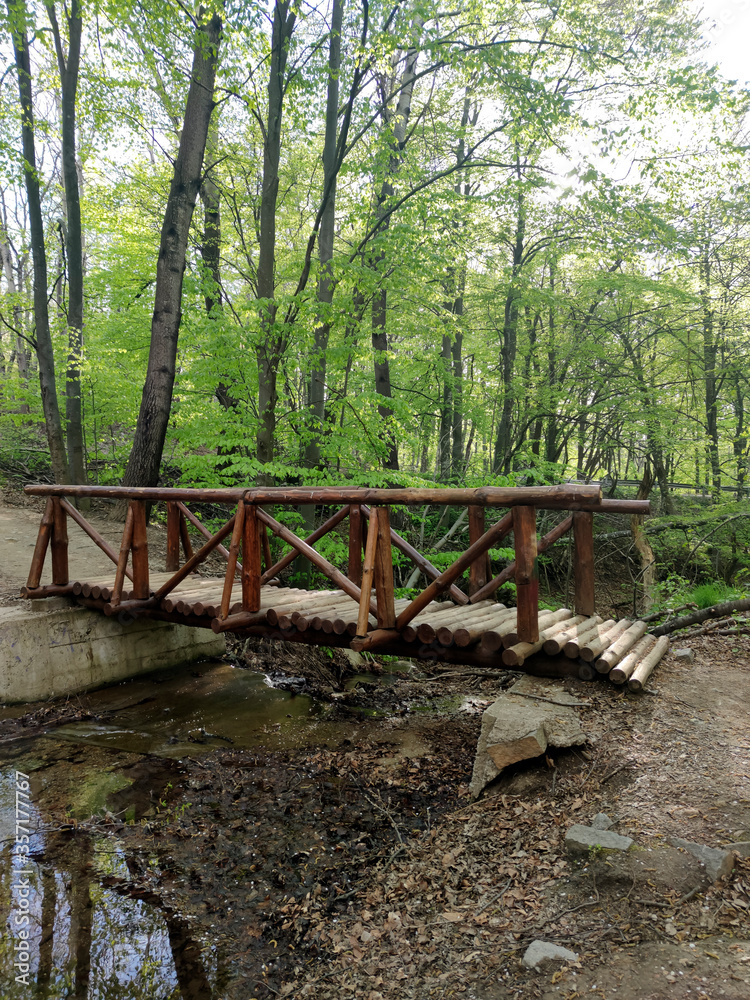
(42, 338)
(156, 401)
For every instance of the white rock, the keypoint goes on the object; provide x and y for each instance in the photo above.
(540, 953)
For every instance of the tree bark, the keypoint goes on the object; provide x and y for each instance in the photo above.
(42, 337)
(269, 349)
(153, 418)
(68, 68)
(510, 337)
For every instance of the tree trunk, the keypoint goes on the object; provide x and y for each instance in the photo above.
(316, 392)
(269, 349)
(446, 410)
(510, 339)
(398, 122)
(68, 70)
(709, 376)
(153, 418)
(42, 337)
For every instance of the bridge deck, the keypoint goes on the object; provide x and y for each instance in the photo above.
(363, 612)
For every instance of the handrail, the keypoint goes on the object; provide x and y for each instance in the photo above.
(566, 496)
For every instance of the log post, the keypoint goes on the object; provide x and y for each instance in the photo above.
(173, 537)
(479, 571)
(368, 572)
(59, 544)
(266, 546)
(187, 547)
(40, 549)
(141, 588)
(234, 550)
(251, 571)
(527, 577)
(122, 561)
(355, 544)
(384, 569)
(583, 537)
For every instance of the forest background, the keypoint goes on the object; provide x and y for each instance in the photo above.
(383, 243)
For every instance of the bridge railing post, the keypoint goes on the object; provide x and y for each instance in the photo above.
(354, 570)
(583, 538)
(251, 568)
(527, 576)
(141, 587)
(479, 571)
(173, 537)
(59, 543)
(383, 573)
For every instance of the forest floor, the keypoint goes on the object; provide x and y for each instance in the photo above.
(356, 864)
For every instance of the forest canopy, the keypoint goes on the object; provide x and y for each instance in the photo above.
(498, 242)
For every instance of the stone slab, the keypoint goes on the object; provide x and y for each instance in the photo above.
(581, 840)
(46, 652)
(516, 727)
(718, 861)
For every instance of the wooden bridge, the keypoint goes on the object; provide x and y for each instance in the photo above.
(361, 610)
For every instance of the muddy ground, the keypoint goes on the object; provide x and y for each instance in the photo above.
(349, 861)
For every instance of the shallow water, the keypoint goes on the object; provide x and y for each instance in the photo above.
(93, 932)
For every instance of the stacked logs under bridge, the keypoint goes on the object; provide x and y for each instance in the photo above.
(442, 622)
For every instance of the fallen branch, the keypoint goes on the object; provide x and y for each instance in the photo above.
(717, 611)
(552, 701)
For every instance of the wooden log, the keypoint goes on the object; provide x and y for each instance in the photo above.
(622, 671)
(93, 534)
(282, 606)
(409, 632)
(354, 568)
(586, 672)
(383, 575)
(572, 647)
(368, 573)
(427, 629)
(289, 558)
(234, 551)
(173, 537)
(376, 639)
(527, 576)
(470, 633)
(210, 604)
(188, 515)
(644, 669)
(544, 619)
(59, 544)
(583, 536)
(430, 571)
(590, 650)
(610, 657)
(568, 496)
(582, 623)
(236, 622)
(48, 590)
(192, 593)
(479, 571)
(187, 546)
(471, 627)
(315, 558)
(200, 556)
(141, 589)
(510, 570)
(515, 655)
(447, 577)
(266, 546)
(122, 560)
(251, 568)
(40, 548)
(315, 617)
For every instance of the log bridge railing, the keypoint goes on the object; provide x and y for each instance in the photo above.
(369, 578)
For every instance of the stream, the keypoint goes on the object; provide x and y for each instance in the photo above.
(172, 824)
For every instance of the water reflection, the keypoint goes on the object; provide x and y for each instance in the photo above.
(89, 936)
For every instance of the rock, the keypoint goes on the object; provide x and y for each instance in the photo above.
(355, 659)
(580, 840)
(602, 822)
(542, 953)
(718, 861)
(685, 654)
(656, 870)
(515, 728)
(742, 847)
